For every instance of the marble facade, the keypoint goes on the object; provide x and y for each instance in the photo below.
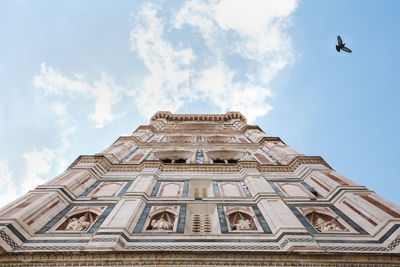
(200, 190)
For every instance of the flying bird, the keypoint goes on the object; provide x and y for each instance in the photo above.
(341, 45)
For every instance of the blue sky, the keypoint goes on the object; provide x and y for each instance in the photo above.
(75, 75)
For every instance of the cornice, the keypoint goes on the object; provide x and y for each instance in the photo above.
(168, 116)
(140, 143)
(214, 258)
(155, 164)
(199, 130)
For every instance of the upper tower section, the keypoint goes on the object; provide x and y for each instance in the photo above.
(199, 139)
(166, 121)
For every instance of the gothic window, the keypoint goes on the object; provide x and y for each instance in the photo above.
(163, 221)
(169, 161)
(324, 223)
(173, 156)
(225, 161)
(180, 161)
(225, 156)
(201, 223)
(219, 161)
(79, 222)
(166, 161)
(240, 221)
(232, 161)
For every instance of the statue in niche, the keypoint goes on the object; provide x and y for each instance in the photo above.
(81, 224)
(243, 225)
(323, 226)
(240, 221)
(162, 222)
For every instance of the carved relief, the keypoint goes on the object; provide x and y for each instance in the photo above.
(241, 219)
(324, 219)
(161, 223)
(79, 222)
(79, 218)
(162, 219)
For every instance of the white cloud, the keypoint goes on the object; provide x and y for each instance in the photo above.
(8, 189)
(169, 74)
(251, 31)
(104, 91)
(37, 163)
(67, 127)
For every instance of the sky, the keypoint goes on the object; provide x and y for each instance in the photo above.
(76, 75)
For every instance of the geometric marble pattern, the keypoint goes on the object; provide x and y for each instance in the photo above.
(200, 190)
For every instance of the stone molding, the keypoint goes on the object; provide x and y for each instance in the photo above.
(168, 116)
(238, 167)
(206, 258)
(141, 143)
(199, 129)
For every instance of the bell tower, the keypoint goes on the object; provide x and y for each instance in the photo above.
(200, 190)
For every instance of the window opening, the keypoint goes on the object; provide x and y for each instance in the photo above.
(166, 161)
(219, 161)
(180, 161)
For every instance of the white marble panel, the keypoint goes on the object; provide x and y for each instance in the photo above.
(278, 215)
(258, 185)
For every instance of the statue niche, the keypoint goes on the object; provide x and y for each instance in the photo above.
(240, 221)
(324, 223)
(79, 222)
(163, 221)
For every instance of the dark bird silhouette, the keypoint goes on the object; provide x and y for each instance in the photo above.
(341, 45)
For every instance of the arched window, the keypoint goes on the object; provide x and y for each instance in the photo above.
(180, 161)
(232, 161)
(240, 221)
